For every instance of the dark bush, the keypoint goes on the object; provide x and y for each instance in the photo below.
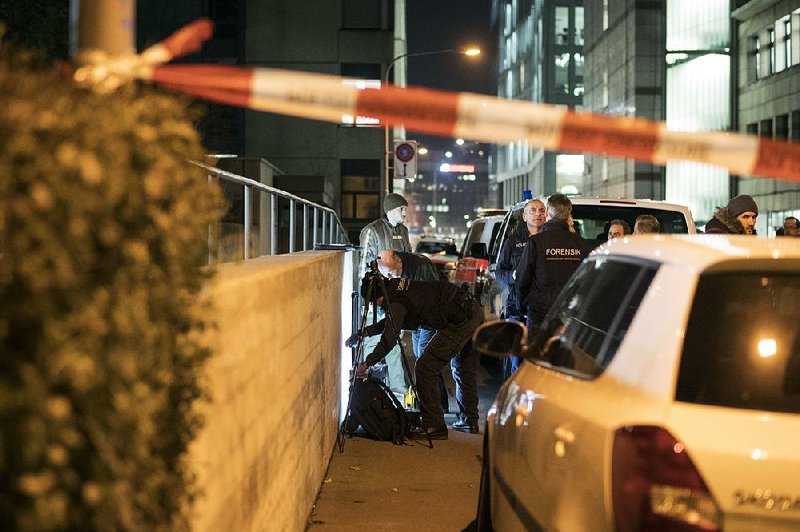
(103, 241)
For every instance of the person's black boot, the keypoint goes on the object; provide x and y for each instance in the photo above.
(430, 433)
(465, 426)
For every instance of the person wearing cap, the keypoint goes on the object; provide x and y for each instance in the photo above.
(738, 217)
(386, 233)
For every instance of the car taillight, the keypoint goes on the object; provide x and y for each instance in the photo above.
(655, 485)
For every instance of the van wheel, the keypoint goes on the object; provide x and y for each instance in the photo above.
(483, 521)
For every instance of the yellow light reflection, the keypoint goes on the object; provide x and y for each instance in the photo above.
(767, 347)
(472, 51)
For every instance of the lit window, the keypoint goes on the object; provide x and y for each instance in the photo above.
(771, 39)
(361, 84)
(787, 41)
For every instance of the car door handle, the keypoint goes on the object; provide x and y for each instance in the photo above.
(564, 434)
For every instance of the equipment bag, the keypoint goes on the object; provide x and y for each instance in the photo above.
(375, 408)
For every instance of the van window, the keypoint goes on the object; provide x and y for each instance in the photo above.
(742, 344)
(474, 235)
(591, 221)
(591, 316)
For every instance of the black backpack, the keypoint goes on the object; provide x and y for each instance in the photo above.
(375, 408)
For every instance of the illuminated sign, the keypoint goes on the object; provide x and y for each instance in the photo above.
(457, 168)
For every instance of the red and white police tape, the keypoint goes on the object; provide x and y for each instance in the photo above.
(465, 115)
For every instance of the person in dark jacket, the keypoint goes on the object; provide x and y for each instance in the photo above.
(533, 217)
(454, 316)
(548, 261)
(405, 265)
(738, 217)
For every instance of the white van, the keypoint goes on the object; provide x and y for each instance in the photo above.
(591, 217)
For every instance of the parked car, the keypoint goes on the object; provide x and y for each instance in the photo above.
(662, 392)
(442, 252)
(591, 217)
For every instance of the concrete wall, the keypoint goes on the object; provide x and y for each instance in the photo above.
(274, 380)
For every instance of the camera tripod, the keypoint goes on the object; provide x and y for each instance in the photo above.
(376, 287)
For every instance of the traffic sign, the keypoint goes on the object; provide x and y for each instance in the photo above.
(405, 159)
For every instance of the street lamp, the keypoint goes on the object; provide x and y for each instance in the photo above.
(469, 52)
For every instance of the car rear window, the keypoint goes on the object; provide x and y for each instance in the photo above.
(742, 344)
(436, 247)
(592, 220)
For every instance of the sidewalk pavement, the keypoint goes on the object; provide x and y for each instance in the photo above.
(377, 485)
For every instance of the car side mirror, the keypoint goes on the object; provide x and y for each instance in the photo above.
(478, 250)
(500, 338)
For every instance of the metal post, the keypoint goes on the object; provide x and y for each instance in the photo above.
(102, 26)
(324, 225)
(273, 225)
(316, 226)
(292, 224)
(305, 226)
(248, 221)
(331, 228)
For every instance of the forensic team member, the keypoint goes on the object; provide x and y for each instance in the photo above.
(548, 261)
(386, 233)
(533, 217)
(453, 316)
(404, 265)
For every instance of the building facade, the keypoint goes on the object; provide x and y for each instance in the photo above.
(699, 66)
(540, 59)
(768, 95)
(353, 38)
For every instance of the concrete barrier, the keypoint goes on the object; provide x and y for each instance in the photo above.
(274, 380)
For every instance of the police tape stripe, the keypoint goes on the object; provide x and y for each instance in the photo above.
(482, 118)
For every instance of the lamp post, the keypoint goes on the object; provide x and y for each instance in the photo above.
(469, 52)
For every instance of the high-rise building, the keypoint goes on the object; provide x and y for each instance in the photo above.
(768, 95)
(699, 66)
(540, 59)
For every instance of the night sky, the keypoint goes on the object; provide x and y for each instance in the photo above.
(443, 24)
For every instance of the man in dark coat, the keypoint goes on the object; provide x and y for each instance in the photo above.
(549, 260)
(454, 316)
(738, 217)
(406, 265)
(533, 217)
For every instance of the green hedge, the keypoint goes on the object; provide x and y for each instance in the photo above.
(103, 241)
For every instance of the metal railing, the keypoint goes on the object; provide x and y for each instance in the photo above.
(273, 233)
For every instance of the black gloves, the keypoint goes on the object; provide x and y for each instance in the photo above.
(353, 340)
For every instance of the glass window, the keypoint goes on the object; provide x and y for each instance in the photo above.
(782, 126)
(742, 346)
(754, 59)
(795, 134)
(605, 15)
(787, 41)
(562, 25)
(589, 320)
(579, 26)
(360, 189)
(771, 57)
(592, 220)
(561, 80)
(577, 89)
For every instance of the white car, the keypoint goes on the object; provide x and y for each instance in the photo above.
(662, 392)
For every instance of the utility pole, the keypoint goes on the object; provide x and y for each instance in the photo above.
(100, 29)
